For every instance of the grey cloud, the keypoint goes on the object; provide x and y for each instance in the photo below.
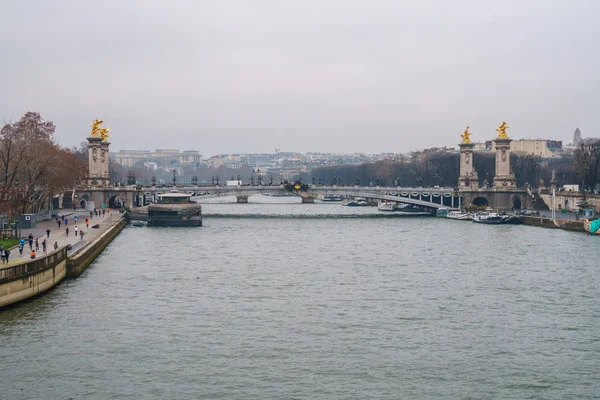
(246, 76)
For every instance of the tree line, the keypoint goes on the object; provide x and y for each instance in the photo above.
(33, 167)
(422, 169)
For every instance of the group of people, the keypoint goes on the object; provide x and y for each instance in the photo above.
(31, 242)
(4, 254)
(34, 243)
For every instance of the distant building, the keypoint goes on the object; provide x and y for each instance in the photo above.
(482, 146)
(161, 157)
(576, 137)
(129, 158)
(538, 147)
(190, 157)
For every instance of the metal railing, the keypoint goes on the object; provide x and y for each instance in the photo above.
(21, 271)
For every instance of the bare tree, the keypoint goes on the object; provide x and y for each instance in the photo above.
(33, 166)
(587, 163)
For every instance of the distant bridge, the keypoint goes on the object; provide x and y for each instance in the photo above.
(429, 198)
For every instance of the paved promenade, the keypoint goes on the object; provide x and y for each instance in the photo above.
(59, 235)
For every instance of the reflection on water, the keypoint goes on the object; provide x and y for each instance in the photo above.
(316, 308)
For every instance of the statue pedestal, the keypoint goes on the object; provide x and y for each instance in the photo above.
(503, 179)
(98, 162)
(468, 177)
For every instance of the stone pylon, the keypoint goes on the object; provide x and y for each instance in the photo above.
(503, 179)
(468, 176)
(98, 174)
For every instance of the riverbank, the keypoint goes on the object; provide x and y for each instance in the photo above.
(22, 278)
(545, 222)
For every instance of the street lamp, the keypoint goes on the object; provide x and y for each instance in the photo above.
(399, 179)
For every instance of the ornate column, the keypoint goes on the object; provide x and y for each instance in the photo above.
(468, 176)
(503, 179)
(98, 174)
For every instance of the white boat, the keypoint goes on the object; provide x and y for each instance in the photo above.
(463, 216)
(386, 206)
(494, 218)
(359, 202)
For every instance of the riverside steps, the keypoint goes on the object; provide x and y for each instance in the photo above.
(22, 278)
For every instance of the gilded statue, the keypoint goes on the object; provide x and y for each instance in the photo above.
(502, 130)
(104, 133)
(466, 136)
(98, 131)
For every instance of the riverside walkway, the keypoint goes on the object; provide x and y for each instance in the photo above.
(59, 235)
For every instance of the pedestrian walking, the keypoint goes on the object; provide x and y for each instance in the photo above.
(2, 256)
(44, 246)
(48, 233)
(58, 222)
(87, 223)
(55, 245)
(103, 211)
(6, 254)
(75, 218)
(76, 229)
(66, 221)
(91, 215)
(37, 244)
(81, 234)
(30, 241)
(67, 231)
(21, 245)
(32, 255)
(62, 218)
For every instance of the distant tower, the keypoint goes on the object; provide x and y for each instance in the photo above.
(577, 137)
(468, 176)
(503, 179)
(98, 156)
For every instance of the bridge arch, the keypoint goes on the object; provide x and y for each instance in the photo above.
(83, 200)
(481, 201)
(516, 203)
(114, 201)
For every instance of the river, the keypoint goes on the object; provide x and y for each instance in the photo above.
(291, 301)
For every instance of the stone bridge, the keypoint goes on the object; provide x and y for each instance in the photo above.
(430, 198)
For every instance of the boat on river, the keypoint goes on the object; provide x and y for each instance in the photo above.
(174, 209)
(358, 202)
(386, 206)
(592, 226)
(493, 218)
(459, 215)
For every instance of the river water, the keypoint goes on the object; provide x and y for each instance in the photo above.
(291, 301)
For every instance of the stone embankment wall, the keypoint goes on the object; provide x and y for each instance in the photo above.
(545, 222)
(569, 200)
(78, 262)
(29, 279)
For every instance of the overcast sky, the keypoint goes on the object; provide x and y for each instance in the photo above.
(370, 76)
